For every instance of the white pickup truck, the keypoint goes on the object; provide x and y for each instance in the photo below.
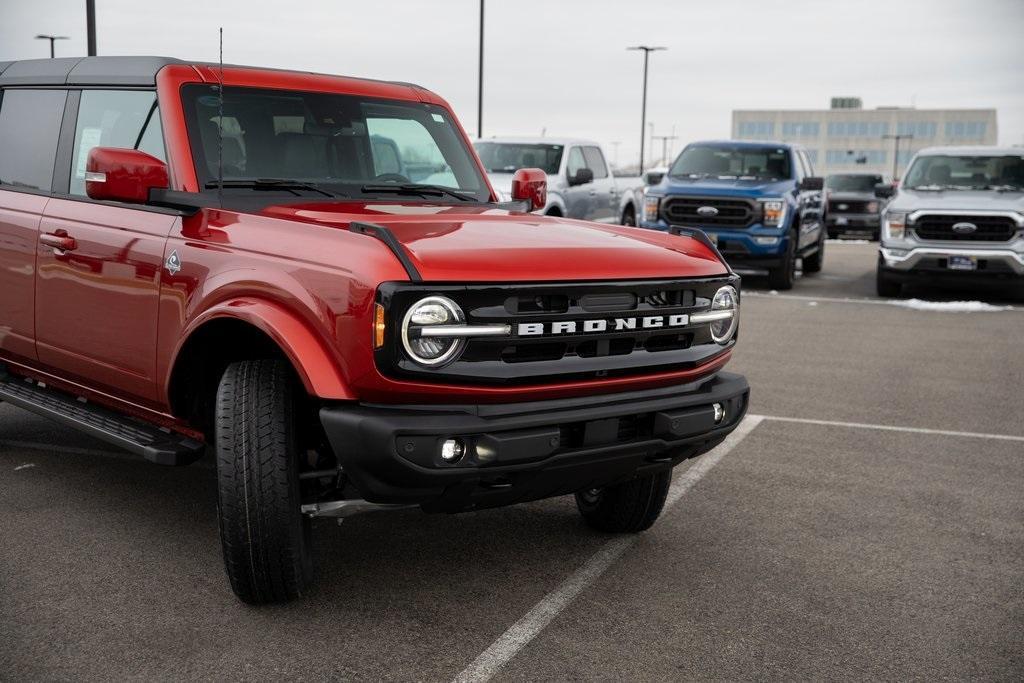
(580, 182)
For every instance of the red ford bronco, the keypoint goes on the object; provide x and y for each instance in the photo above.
(310, 277)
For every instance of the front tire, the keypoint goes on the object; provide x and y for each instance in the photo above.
(629, 507)
(814, 262)
(885, 286)
(782, 278)
(629, 216)
(264, 535)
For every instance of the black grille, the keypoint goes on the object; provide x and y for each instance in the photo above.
(846, 206)
(551, 357)
(986, 228)
(696, 211)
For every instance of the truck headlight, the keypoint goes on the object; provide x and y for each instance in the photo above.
(724, 314)
(773, 212)
(895, 224)
(651, 205)
(429, 350)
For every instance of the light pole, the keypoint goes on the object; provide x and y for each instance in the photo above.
(90, 27)
(664, 146)
(647, 49)
(52, 39)
(479, 82)
(896, 152)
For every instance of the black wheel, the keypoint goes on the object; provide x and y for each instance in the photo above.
(813, 263)
(629, 216)
(553, 212)
(628, 507)
(884, 285)
(784, 276)
(833, 235)
(263, 533)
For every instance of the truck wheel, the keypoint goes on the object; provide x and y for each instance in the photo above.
(629, 216)
(265, 538)
(885, 286)
(782, 277)
(628, 507)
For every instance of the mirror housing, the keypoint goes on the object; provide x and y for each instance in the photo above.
(582, 177)
(653, 177)
(530, 185)
(123, 175)
(812, 183)
(885, 190)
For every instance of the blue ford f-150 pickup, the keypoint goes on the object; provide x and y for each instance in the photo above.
(759, 201)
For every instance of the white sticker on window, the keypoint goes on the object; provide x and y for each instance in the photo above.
(89, 138)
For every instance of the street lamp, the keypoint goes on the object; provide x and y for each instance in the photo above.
(647, 49)
(480, 79)
(52, 39)
(896, 152)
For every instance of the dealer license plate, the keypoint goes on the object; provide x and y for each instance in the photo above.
(841, 220)
(963, 263)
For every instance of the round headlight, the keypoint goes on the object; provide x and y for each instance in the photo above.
(726, 299)
(428, 350)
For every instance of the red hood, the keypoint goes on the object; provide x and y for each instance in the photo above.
(486, 244)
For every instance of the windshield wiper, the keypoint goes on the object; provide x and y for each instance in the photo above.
(421, 189)
(272, 184)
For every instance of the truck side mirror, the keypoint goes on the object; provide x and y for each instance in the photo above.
(812, 183)
(884, 190)
(123, 175)
(530, 185)
(582, 177)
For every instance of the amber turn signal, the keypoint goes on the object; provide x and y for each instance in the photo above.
(379, 325)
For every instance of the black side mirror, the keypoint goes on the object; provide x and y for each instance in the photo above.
(812, 183)
(884, 190)
(582, 177)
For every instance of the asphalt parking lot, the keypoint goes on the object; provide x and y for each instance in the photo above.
(820, 544)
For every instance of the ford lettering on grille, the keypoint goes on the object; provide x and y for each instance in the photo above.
(598, 325)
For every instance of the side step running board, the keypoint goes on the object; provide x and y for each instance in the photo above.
(161, 446)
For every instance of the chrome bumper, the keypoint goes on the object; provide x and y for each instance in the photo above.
(907, 259)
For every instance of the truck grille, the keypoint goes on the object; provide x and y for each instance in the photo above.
(552, 357)
(734, 213)
(847, 206)
(986, 228)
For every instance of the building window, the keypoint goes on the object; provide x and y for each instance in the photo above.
(857, 129)
(965, 129)
(919, 129)
(756, 129)
(801, 129)
(837, 157)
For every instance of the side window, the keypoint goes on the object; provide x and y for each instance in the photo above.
(595, 161)
(115, 118)
(799, 169)
(29, 130)
(808, 166)
(575, 162)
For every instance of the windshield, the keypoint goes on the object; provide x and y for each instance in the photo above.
(723, 161)
(946, 172)
(339, 145)
(506, 157)
(852, 182)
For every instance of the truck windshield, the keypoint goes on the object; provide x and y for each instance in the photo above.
(947, 172)
(853, 182)
(506, 157)
(725, 161)
(329, 144)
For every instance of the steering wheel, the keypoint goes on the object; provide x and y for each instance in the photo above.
(391, 178)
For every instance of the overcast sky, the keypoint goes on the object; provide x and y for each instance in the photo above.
(562, 66)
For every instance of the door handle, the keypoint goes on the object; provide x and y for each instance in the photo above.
(59, 241)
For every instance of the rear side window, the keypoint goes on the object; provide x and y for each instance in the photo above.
(576, 162)
(29, 131)
(595, 162)
(115, 118)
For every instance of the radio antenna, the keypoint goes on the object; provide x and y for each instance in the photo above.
(220, 125)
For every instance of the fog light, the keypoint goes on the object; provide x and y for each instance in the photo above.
(766, 240)
(452, 450)
(719, 412)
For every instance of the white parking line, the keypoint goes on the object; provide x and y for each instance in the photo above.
(512, 641)
(894, 428)
(904, 303)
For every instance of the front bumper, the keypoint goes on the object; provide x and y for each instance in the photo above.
(853, 223)
(528, 451)
(930, 259)
(753, 247)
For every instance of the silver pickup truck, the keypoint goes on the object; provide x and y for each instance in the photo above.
(959, 214)
(580, 182)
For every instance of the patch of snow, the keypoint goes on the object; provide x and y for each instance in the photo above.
(949, 306)
(25, 466)
(838, 241)
(774, 291)
(812, 303)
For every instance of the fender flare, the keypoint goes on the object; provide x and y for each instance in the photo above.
(555, 201)
(304, 349)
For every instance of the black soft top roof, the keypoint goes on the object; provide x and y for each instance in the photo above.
(84, 71)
